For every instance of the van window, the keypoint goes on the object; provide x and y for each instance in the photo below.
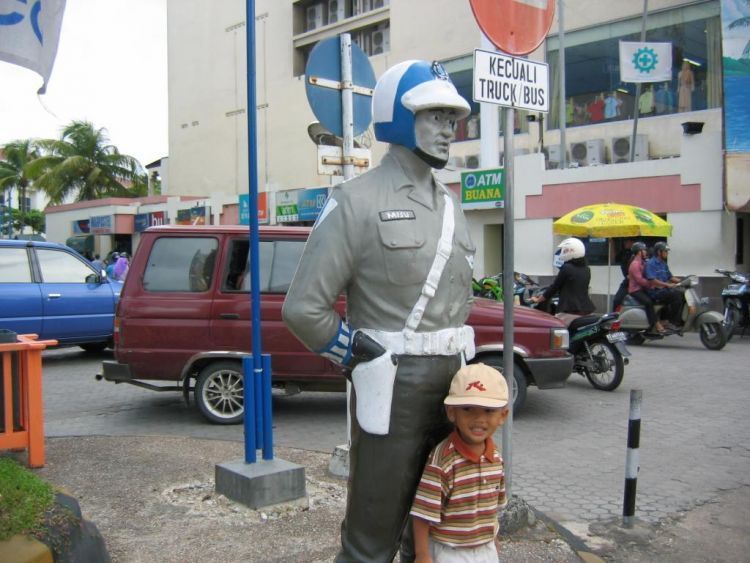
(181, 264)
(14, 266)
(278, 262)
(57, 266)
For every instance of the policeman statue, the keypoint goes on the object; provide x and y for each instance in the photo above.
(396, 242)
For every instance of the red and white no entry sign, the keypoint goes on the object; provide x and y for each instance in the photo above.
(516, 27)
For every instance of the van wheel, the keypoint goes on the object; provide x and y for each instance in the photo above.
(219, 392)
(519, 379)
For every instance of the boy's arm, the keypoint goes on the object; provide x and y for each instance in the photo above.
(421, 545)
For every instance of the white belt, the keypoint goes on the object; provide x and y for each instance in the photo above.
(445, 342)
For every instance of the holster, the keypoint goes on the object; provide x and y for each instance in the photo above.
(373, 384)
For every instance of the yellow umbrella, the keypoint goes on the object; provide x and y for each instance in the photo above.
(607, 220)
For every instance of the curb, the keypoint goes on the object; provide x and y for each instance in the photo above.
(576, 544)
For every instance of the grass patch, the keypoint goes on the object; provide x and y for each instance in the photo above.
(24, 498)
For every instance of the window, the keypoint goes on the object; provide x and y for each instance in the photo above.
(593, 89)
(278, 262)
(181, 264)
(58, 266)
(14, 266)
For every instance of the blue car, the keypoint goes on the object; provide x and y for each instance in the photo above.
(50, 290)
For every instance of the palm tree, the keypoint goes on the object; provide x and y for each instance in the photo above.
(15, 168)
(742, 22)
(83, 164)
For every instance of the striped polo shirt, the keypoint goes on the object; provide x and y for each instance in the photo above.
(459, 493)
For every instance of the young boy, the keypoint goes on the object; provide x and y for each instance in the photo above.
(455, 509)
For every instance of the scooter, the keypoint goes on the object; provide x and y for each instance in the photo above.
(598, 347)
(695, 317)
(736, 298)
(491, 287)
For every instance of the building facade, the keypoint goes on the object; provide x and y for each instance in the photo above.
(678, 175)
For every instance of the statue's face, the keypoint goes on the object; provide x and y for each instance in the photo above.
(434, 129)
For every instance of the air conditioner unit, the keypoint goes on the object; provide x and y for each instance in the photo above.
(456, 162)
(314, 17)
(620, 148)
(587, 153)
(336, 11)
(381, 40)
(472, 161)
(554, 155)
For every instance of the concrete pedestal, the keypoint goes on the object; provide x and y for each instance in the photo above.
(261, 484)
(339, 464)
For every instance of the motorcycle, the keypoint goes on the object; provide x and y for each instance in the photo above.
(736, 298)
(695, 317)
(598, 348)
(491, 287)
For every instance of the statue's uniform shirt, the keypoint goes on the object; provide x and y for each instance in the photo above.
(376, 241)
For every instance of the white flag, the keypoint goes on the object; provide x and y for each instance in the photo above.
(29, 33)
(645, 62)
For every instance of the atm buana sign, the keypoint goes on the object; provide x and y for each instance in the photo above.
(483, 189)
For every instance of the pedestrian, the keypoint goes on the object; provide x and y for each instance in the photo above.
(110, 269)
(396, 241)
(572, 282)
(663, 283)
(455, 510)
(638, 285)
(97, 263)
(121, 268)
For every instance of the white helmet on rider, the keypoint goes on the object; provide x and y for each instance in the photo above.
(405, 89)
(571, 248)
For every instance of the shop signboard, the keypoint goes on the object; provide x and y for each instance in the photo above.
(192, 216)
(311, 203)
(244, 204)
(286, 206)
(483, 189)
(81, 227)
(143, 221)
(101, 224)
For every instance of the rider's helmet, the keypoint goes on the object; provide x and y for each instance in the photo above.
(571, 248)
(661, 246)
(637, 247)
(405, 89)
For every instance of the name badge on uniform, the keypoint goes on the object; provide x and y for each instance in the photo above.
(398, 215)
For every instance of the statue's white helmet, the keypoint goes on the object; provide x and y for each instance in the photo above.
(407, 88)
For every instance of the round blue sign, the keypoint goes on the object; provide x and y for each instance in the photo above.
(325, 63)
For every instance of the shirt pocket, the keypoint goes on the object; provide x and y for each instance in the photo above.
(466, 250)
(403, 252)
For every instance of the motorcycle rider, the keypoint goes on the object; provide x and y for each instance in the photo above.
(638, 285)
(396, 241)
(663, 283)
(572, 282)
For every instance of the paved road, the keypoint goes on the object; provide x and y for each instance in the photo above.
(569, 445)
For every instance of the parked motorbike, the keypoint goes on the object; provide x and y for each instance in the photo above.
(491, 287)
(695, 317)
(736, 298)
(599, 350)
(598, 347)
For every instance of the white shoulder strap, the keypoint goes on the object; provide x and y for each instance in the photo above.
(444, 248)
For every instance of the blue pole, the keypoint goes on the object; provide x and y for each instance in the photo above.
(250, 417)
(267, 426)
(252, 163)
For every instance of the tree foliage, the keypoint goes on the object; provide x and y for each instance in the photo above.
(83, 165)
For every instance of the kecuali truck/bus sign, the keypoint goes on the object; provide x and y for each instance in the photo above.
(483, 189)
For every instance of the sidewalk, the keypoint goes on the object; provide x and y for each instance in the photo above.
(153, 499)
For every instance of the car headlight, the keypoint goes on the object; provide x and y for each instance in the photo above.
(559, 339)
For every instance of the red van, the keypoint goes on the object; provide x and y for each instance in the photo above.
(184, 318)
